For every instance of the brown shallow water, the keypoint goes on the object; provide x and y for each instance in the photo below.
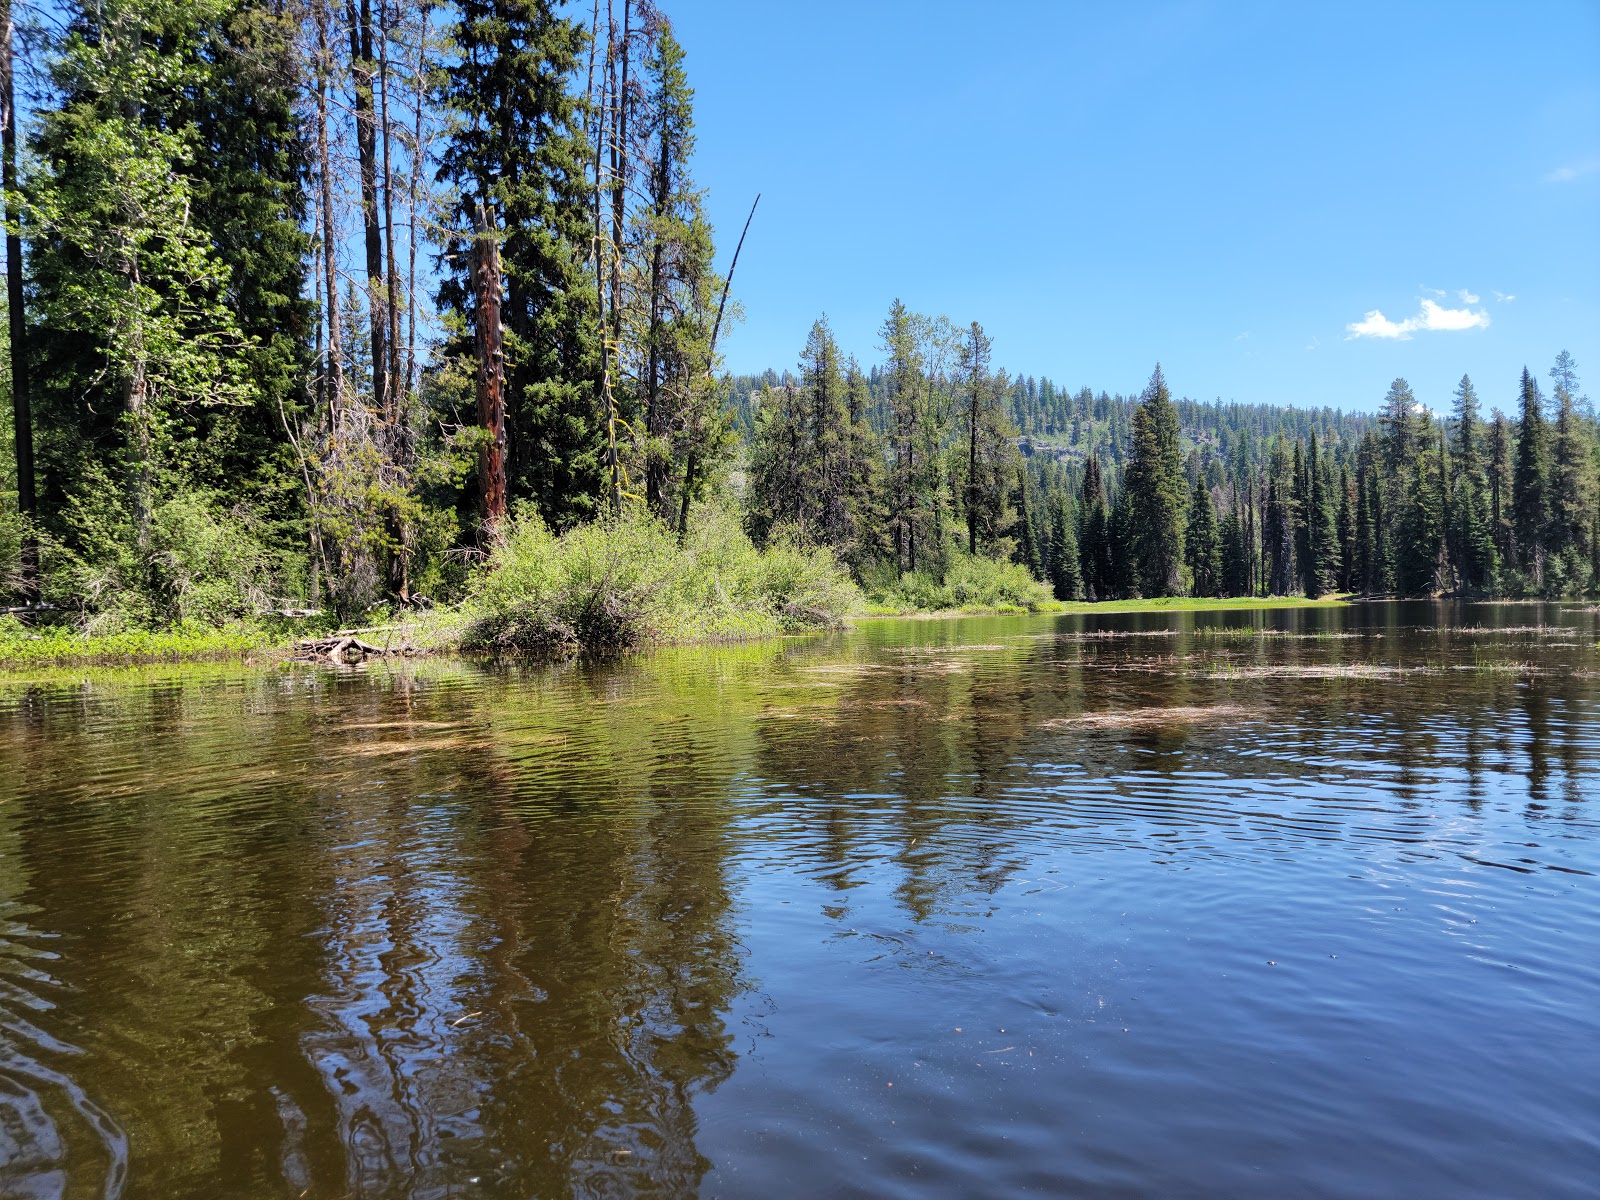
(1297, 903)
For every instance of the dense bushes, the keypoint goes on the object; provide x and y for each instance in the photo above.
(203, 562)
(970, 581)
(611, 585)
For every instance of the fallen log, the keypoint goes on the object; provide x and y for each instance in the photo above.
(344, 646)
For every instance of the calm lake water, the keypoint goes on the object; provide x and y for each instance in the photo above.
(1293, 903)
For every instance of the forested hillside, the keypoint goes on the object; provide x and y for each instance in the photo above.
(307, 301)
(907, 466)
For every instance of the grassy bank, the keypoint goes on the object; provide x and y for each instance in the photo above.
(1162, 604)
(22, 648)
(612, 586)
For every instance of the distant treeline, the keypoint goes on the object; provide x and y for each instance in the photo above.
(936, 453)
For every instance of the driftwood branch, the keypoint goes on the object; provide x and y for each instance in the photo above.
(347, 646)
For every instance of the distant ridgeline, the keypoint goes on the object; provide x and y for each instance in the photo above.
(1069, 427)
(910, 466)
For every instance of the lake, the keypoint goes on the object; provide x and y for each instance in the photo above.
(1297, 902)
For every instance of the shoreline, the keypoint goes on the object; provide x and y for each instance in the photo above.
(254, 647)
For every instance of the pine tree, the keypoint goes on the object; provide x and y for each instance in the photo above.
(1299, 515)
(518, 146)
(867, 539)
(781, 469)
(1094, 534)
(1500, 488)
(1322, 542)
(1471, 519)
(1366, 569)
(1203, 545)
(907, 402)
(1571, 465)
(1530, 502)
(824, 459)
(1345, 530)
(1157, 492)
(1066, 579)
(989, 453)
(1278, 523)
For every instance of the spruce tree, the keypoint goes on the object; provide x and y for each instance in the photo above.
(1203, 544)
(1345, 529)
(1472, 524)
(1157, 493)
(988, 454)
(1094, 534)
(1530, 500)
(518, 146)
(1571, 466)
(1066, 579)
(1322, 545)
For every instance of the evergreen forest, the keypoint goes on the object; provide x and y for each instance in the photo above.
(327, 308)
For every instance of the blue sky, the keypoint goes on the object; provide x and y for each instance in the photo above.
(1230, 188)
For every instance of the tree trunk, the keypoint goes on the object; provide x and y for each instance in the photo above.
(330, 286)
(361, 73)
(491, 369)
(392, 273)
(21, 400)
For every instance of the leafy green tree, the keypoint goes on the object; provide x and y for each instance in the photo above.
(135, 309)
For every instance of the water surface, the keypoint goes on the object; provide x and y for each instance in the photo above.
(1301, 902)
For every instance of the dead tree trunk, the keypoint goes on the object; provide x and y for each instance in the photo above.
(491, 369)
(21, 406)
(362, 70)
(330, 287)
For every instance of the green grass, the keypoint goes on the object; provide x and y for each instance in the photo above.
(1161, 604)
(22, 649)
(1197, 604)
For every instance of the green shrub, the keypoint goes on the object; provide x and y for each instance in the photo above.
(204, 563)
(615, 584)
(970, 581)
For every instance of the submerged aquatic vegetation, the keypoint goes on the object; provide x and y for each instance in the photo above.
(1155, 716)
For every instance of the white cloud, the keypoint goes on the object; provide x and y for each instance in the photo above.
(1467, 297)
(1377, 325)
(1504, 297)
(1433, 317)
(1439, 292)
(1451, 319)
(1573, 171)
